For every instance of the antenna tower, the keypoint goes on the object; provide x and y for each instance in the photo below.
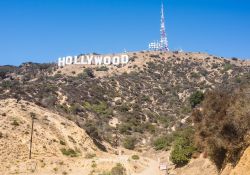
(164, 40)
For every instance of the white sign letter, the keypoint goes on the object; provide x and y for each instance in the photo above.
(61, 62)
(89, 58)
(107, 60)
(98, 60)
(124, 59)
(116, 60)
(69, 60)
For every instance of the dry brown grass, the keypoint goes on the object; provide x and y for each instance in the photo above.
(223, 123)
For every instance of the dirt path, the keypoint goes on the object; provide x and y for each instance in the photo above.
(152, 169)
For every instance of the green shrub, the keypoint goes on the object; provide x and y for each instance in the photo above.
(195, 75)
(163, 143)
(124, 108)
(94, 165)
(92, 130)
(69, 152)
(227, 67)
(196, 98)
(102, 68)
(182, 151)
(135, 157)
(90, 155)
(82, 75)
(129, 143)
(7, 84)
(15, 123)
(101, 108)
(75, 108)
(125, 128)
(145, 98)
(150, 128)
(62, 142)
(118, 170)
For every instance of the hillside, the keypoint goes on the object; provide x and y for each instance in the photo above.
(52, 134)
(223, 125)
(139, 106)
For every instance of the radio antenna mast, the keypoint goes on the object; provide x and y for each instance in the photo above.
(164, 40)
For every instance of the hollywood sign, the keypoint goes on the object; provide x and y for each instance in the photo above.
(93, 60)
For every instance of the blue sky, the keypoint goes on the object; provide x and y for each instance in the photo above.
(43, 30)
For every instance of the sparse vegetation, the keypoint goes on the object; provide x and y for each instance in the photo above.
(147, 103)
(69, 152)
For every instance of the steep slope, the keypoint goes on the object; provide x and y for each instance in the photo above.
(198, 166)
(223, 126)
(243, 167)
(52, 134)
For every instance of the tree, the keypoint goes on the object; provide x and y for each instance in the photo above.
(196, 98)
(182, 151)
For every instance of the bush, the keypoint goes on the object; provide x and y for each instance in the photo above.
(89, 72)
(90, 155)
(125, 128)
(49, 101)
(227, 67)
(196, 98)
(182, 151)
(195, 75)
(69, 152)
(102, 68)
(101, 108)
(129, 143)
(15, 123)
(62, 142)
(92, 130)
(82, 75)
(124, 108)
(118, 170)
(135, 157)
(75, 108)
(162, 143)
(7, 84)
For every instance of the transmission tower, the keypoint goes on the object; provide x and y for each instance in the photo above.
(164, 40)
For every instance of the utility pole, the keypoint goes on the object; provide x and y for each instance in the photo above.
(31, 135)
